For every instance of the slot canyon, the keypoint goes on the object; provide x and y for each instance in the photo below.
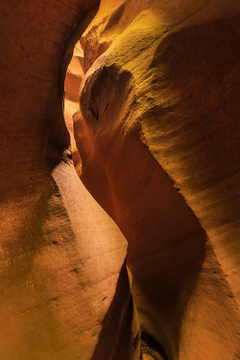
(120, 180)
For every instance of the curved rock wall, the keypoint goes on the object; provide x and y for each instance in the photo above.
(158, 133)
(62, 259)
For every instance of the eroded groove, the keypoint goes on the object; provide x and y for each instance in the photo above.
(152, 347)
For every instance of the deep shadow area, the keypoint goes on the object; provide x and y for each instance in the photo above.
(151, 345)
(166, 249)
(117, 335)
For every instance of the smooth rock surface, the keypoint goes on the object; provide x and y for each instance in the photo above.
(158, 134)
(62, 259)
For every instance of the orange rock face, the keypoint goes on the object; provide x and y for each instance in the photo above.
(158, 134)
(155, 138)
(62, 259)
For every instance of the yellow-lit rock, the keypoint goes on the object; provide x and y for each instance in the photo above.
(158, 134)
(157, 129)
(62, 259)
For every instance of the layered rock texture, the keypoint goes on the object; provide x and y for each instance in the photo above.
(62, 258)
(152, 107)
(158, 134)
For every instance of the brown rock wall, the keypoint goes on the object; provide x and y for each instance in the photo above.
(162, 102)
(158, 134)
(58, 271)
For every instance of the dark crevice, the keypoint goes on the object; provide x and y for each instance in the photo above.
(152, 347)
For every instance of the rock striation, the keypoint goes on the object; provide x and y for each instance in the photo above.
(140, 260)
(62, 259)
(158, 133)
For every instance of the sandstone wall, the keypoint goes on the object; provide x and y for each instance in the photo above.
(157, 130)
(158, 134)
(62, 259)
